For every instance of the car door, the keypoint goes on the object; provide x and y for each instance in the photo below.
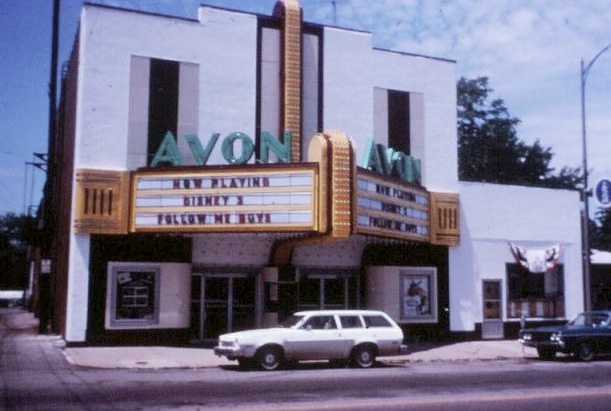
(353, 330)
(602, 333)
(387, 334)
(317, 339)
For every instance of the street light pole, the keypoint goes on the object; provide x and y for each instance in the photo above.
(585, 70)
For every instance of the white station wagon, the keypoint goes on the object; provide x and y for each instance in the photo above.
(358, 336)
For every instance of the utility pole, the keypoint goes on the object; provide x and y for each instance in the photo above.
(45, 280)
(587, 290)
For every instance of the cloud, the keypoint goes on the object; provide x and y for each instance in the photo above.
(530, 50)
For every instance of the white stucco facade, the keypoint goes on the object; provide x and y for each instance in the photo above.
(492, 216)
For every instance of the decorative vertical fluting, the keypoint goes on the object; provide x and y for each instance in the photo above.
(290, 118)
(334, 151)
(341, 179)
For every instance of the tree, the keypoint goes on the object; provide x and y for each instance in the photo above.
(600, 233)
(489, 149)
(15, 233)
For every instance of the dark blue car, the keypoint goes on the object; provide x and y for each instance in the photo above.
(585, 337)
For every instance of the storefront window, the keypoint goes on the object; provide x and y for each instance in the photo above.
(535, 295)
(135, 295)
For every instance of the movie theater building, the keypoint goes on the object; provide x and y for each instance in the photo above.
(216, 173)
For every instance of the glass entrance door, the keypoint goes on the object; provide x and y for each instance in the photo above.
(323, 292)
(222, 304)
(492, 323)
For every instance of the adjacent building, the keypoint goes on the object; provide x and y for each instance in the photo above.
(216, 173)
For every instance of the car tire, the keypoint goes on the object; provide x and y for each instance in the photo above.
(546, 353)
(364, 356)
(585, 351)
(269, 357)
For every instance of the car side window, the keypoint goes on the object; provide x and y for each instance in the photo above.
(320, 322)
(376, 321)
(350, 321)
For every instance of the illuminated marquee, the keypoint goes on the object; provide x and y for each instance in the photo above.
(227, 199)
(389, 209)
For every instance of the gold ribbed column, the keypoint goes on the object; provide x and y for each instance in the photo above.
(341, 178)
(290, 118)
(334, 152)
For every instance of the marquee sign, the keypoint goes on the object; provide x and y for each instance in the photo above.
(223, 199)
(391, 209)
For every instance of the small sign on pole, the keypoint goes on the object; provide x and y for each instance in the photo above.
(602, 192)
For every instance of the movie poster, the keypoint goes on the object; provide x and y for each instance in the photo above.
(419, 295)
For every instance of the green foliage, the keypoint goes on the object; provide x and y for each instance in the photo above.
(489, 149)
(15, 233)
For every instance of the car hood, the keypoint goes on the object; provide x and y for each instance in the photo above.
(545, 329)
(555, 329)
(244, 335)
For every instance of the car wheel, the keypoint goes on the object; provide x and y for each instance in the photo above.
(270, 357)
(364, 356)
(546, 353)
(585, 351)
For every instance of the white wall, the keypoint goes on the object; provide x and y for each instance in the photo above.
(108, 40)
(387, 287)
(494, 215)
(227, 75)
(383, 290)
(434, 82)
(352, 70)
(174, 295)
(346, 253)
(232, 250)
(77, 303)
(348, 82)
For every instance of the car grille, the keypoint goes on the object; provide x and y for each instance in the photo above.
(539, 336)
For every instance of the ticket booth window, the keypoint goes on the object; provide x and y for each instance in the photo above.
(135, 295)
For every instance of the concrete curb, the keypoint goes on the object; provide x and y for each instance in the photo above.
(193, 358)
(22, 324)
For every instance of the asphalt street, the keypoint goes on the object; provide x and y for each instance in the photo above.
(38, 372)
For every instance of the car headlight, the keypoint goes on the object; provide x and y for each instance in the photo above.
(229, 342)
(555, 337)
(527, 337)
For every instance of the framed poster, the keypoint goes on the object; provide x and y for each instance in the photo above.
(418, 298)
(134, 295)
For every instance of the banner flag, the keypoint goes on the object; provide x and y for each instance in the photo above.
(536, 260)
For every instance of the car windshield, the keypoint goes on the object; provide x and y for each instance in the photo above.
(291, 321)
(581, 319)
(589, 319)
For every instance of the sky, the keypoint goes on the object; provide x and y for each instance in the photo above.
(530, 50)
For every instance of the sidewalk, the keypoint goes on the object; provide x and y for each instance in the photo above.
(158, 357)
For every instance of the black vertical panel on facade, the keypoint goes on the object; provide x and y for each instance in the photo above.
(163, 102)
(398, 121)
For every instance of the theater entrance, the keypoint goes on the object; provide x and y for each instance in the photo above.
(328, 291)
(221, 303)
